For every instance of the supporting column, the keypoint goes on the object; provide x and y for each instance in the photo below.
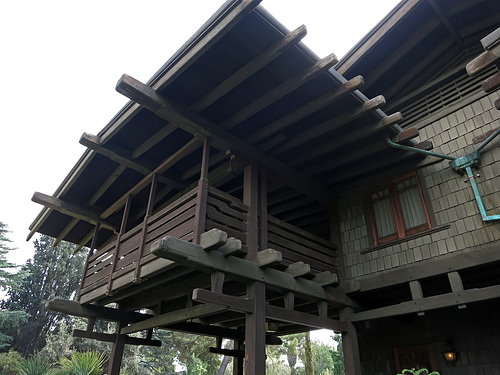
(238, 360)
(352, 362)
(251, 199)
(115, 359)
(255, 331)
(202, 196)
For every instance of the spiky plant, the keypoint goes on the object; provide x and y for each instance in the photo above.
(88, 363)
(35, 366)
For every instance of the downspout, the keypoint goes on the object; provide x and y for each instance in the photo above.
(461, 165)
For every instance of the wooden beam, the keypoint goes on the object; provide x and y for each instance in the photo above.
(174, 317)
(444, 20)
(280, 91)
(425, 269)
(223, 140)
(94, 143)
(255, 330)
(406, 135)
(238, 304)
(309, 320)
(492, 83)
(333, 123)
(430, 303)
(269, 258)
(72, 210)
(277, 49)
(306, 110)
(92, 311)
(456, 284)
(111, 337)
(298, 269)
(169, 162)
(352, 361)
(213, 239)
(193, 256)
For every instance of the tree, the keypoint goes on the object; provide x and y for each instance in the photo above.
(338, 357)
(9, 320)
(53, 272)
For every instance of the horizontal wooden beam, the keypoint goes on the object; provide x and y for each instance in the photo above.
(430, 303)
(280, 314)
(92, 311)
(111, 337)
(193, 256)
(200, 127)
(333, 123)
(425, 269)
(483, 61)
(72, 210)
(174, 317)
(492, 83)
(94, 143)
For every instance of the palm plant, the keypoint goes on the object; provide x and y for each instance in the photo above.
(88, 363)
(35, 366)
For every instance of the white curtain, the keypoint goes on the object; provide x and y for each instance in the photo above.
(384, 217)
(412, 207)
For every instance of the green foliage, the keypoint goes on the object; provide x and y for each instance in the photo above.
(53, 272)
(338, 357)
(88, 363)
(422, 371)
(9, 362)
(36, 365)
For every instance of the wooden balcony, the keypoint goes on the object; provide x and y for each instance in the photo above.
(127, 262)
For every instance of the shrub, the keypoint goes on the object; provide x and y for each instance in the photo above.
(35, 366)
(88, 363)
(9, 362)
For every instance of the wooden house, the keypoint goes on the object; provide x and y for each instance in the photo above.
(251, 190)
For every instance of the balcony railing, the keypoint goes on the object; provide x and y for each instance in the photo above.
(106, 273)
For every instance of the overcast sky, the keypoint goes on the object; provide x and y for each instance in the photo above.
(60, 61)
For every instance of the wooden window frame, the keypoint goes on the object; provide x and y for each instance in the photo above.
(401, 230)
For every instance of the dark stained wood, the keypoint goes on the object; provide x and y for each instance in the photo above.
(483, 61)
(280, 91)
(252, 67)
(304, 111)
(333, 123)
(115, 359)
(94, 143)
(255, 330)
(406, 135)
(492, 83)
(202, 196)
(72, 210)
(169, 162)
(194, 255)
(352, 361)
(111, 337)
(429, 268)
(174, 317)
(297, 317)
(431, 303)
(223, 140)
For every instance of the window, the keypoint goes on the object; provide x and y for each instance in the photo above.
(417, 357)
(398, 210)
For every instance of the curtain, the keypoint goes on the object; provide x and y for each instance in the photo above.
(412, 207)
(384, 216)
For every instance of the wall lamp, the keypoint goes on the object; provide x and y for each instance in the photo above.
(450, 353)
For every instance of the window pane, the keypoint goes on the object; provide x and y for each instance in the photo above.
(412, 207)
(384, 217)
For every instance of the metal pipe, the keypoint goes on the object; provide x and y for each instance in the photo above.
(414, 149)
(477, 195)
(487, 140)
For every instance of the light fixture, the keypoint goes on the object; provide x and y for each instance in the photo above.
(450, 354)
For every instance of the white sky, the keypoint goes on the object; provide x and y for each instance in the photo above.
(60, 61)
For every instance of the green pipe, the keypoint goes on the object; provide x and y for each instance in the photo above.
(414, 149)
(479, 199)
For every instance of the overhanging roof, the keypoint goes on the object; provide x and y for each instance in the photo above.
(254, 88)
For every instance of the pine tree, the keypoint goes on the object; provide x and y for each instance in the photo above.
(9, 320)
(53, 272)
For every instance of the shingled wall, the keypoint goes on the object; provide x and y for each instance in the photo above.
(452, 200)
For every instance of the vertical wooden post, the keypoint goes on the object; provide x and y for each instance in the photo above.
(352, 362)
(263, 209)
(255, 331)
(115, 359)
(202, 196)
(123, 228)
(93, 245)
(251, 199)
(144, 233)
(238, 360)
(335, 238)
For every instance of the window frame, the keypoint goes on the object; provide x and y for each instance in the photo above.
(401, 230)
